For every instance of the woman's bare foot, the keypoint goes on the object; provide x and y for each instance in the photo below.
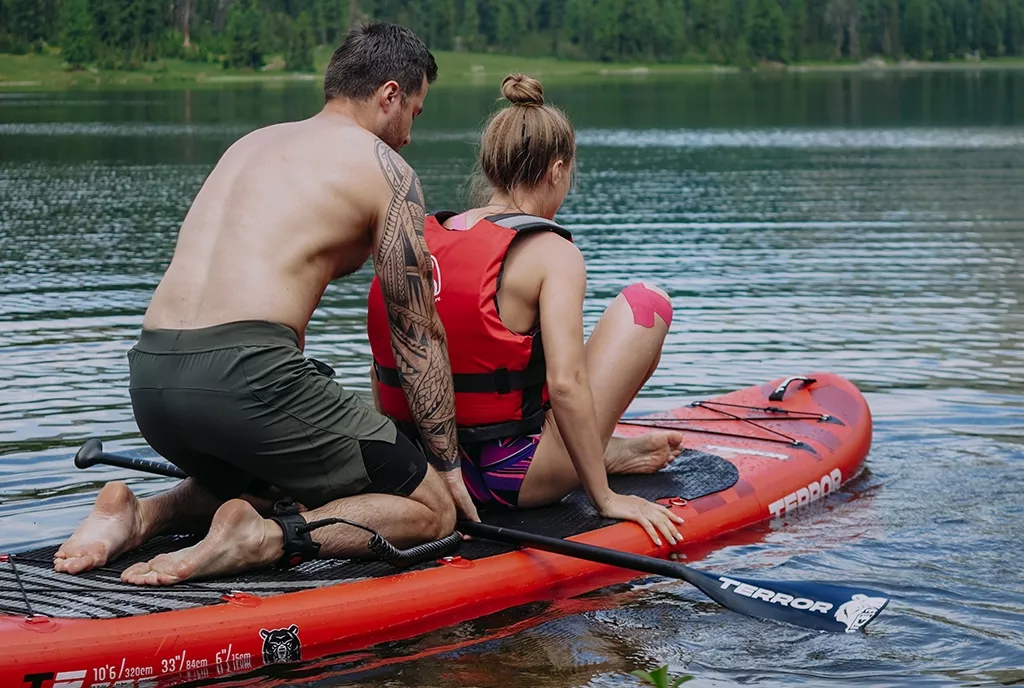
(115, 526)
(646, 453)
(239, 539)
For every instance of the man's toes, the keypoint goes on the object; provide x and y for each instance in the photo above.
(155, 578)
(166, 579)
(74, 564)
(135, 572)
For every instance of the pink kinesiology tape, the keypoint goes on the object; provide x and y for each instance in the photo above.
(645, 303)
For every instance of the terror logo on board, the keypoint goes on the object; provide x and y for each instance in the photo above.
(281, 645)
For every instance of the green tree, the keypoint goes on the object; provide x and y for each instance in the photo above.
(153, 23)
(642, 31)
(702, 26)
(842, 17)
(730, 26)
(797, 11)
(738, 31)
(511, 24)
(991, 15)
(110, 21)
(960, 15)
(6, 40)
(671, 34)
(320, 21)
(77, 34)
(27, 22)
(335, 20)
(469, 27)
(244, 31)
(300, 49)
(442, 23)
(767, 31)
(940, 31)
(276, 33)
(579, 26)
(607, 20)
(915, 29)
(891, 28)
(1015, 28)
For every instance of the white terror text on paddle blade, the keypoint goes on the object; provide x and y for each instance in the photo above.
(814, 491)
(780, 598)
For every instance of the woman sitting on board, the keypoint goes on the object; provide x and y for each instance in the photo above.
(535, 415)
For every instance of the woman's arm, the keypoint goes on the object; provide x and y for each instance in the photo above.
(562, 291)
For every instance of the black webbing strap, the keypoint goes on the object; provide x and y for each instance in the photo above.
(482, 433)
(502, 381)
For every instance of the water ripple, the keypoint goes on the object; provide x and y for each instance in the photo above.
(852, 139)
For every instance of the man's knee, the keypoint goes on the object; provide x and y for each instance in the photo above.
(646, 301)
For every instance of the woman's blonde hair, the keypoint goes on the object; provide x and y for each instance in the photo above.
(521, 140)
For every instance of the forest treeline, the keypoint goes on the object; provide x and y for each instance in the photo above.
(244, 33)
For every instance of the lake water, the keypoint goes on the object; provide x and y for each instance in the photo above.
(871, 225)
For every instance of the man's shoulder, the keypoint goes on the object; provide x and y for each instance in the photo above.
(390, 162)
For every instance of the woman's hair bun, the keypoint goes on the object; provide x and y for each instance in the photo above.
(522, 89)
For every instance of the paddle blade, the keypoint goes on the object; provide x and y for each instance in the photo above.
(821, 606)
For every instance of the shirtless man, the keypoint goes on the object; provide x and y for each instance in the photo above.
(218, 381)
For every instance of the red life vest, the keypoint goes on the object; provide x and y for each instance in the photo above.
(499, 375)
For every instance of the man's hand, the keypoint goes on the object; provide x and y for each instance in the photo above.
(403, 266)
(457, 488)
(654, 518)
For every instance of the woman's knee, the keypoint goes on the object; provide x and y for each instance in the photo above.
(646, 301)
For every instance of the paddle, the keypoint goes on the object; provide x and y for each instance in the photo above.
(819, 606)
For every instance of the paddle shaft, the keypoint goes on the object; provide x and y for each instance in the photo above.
(579, 550)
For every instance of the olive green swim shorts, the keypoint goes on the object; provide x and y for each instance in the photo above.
(238, 406)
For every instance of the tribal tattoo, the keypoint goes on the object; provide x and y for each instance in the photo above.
(403, 267)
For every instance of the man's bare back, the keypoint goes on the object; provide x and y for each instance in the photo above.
(286, 210)
(218, 382)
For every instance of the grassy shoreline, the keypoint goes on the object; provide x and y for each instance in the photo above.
(46, 71)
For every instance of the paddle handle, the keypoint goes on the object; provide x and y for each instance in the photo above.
(92, 453)
(580, 550)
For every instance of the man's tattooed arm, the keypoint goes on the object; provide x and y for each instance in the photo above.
(403, 267)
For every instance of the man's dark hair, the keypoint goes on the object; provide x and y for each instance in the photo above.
(373, 54)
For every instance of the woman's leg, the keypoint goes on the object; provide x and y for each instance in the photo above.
(622, 354)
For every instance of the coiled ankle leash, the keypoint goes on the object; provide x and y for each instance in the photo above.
(300, 547)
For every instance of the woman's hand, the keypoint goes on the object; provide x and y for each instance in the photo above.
(460, 495)
(654, 518)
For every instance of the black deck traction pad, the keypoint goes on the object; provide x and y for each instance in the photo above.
(101, 594)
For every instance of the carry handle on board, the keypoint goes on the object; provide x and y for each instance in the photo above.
(780, 391)
(819, 606)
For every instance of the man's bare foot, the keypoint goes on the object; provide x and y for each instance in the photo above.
(239, 539)
(646, 453)
(115, 526)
